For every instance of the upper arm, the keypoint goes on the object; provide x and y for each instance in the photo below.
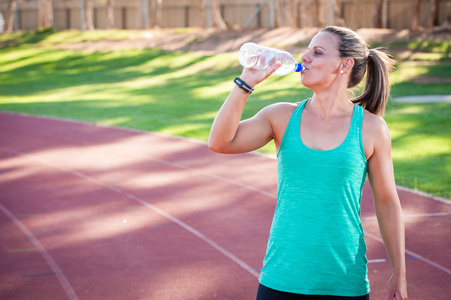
(253, 133)
(380, 164)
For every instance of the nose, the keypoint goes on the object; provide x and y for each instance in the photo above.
(305, 57)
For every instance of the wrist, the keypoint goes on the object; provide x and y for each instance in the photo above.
(248, 79)
(243, 85)
(399, 272)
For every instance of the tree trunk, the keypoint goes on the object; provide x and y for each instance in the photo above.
(202, 13)
(89, 15)
(335, 12)
(448, 16)
(109, 14)
(416, 15)
(86, 19)
(356, 13)
(385, 13)
(293, 13)
(143, 17)
(45, 11)
(217, 18)
(377, 14)
(432, 13)
(316, 13)
(11, 16)
(158, 7)
(277, 19)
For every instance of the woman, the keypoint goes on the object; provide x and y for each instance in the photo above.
(325, 147)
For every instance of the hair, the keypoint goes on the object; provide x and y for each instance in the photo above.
(376, 63)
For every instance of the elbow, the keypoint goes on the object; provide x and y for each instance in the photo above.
(215, 146)
(212, 145)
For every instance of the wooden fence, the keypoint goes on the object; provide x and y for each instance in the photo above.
(187, 13)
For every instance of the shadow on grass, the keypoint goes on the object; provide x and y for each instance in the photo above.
(179, 101)
(57, 69)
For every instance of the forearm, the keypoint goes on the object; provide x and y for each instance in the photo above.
(391, 226)
(226, 122)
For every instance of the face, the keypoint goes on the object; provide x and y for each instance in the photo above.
(322, 61)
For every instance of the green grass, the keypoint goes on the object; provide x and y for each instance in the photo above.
(421, 145)
(179, 93)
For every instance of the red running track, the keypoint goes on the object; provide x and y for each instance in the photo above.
(91, 212)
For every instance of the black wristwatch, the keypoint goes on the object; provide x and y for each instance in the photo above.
(243, 85)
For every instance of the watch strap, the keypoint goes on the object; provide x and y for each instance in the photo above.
(243, 85)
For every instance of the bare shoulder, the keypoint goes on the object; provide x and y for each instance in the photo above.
(374, 126)
(279, 108)
(375, 133)
(278, 115)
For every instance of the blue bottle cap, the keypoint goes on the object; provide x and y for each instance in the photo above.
(298, 67)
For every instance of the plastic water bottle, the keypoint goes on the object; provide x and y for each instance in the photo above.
(260, 57)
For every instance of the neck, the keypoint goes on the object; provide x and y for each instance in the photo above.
(329, 104)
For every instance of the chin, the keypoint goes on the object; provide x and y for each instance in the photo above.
(305, 82)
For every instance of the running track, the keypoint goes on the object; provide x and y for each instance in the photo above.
(92, 212)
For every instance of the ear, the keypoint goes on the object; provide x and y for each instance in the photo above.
(347, 64)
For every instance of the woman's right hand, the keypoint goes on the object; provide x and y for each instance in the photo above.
(253, 76)
(230, 135)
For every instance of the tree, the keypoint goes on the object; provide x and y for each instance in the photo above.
(318, 20)
(11, 19)
(377, 14)
(86, 19)
(335, 13)
(109, 14)
(306, 13)
(416, 15)
(143, 18)
(217, 17)
(357, 13)
(156, 12)
(430, 12)
(45, 11)
(293, 5)
(202, 13)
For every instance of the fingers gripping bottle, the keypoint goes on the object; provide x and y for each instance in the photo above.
(260, 57)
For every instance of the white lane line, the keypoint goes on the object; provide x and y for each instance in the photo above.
(384, 260)
(183, 139)
(185, 226)
(408, 216)
(418, 256)
(45, 254)
(214, 176)
(192, 230)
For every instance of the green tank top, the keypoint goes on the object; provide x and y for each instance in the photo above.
(316, 244)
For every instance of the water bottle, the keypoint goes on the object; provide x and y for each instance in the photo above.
(260, 57)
